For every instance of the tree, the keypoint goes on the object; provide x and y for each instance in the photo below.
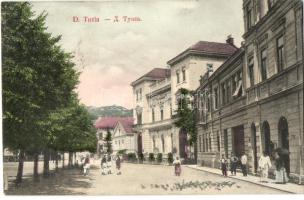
(186, 117)
(38, 78)
(108, 140)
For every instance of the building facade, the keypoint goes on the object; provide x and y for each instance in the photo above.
(258, 105)
(156, 95)
(123, 137)
(105, 125)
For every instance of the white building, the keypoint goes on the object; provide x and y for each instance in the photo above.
(124, 137)
(156, 93)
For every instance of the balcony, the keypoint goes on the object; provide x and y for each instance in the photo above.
(285, 80)
(160, 84)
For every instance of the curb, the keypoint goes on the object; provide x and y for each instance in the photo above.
(244, 180)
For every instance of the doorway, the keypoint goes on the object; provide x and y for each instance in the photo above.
(254, 147)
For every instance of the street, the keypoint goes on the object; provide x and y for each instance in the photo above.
(138, 179)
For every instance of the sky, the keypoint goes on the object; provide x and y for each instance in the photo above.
(111, 54)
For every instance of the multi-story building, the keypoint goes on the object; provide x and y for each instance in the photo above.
(156, 95)
(124, 138)
(254, 101)
(105, 125)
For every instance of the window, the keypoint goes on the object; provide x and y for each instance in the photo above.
(203, 143)
(140, 94)
(153, 115)
(218, 142)
(264, 64)
(139, 119)
(280, 53)
(249, 17)
(210, 148)
(228, 91)
(163, 143)
(122, 141)
(226, 142)
(210, 68)
(237, 81)
(199, 143)
(251, 72)
(136, 95)
(177, 77)
(170, 110)
(161, 114)
(223, 93)
(215, 98)
(184, 74)
(207, 143)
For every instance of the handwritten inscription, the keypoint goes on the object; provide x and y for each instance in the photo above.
(114, 19)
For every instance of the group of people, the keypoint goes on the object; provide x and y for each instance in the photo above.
(234, 161)
(106, 165)
(264, 164)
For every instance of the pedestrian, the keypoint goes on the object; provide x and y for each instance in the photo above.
(118, 165)
(280, 172)
(109, 164)
(103, 165)
(233, 163)
(86, 166)
(264, 165)
(177, 166)
(224, 163)
(244, 164)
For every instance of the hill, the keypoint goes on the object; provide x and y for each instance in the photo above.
(109, 111)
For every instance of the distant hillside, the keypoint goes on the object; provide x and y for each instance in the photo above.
(109, 111)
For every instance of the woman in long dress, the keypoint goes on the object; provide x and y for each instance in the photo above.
(177, 166)
(280, 172)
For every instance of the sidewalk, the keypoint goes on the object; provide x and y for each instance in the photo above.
(288, 187)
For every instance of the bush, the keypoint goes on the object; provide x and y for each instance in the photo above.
(170, 158)
(159, 157)
(141, 157)
(131, 157)
(151, 157)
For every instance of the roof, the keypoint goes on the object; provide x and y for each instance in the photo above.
(111, 122)
(154, 74)
(127, 125)
(211, 48)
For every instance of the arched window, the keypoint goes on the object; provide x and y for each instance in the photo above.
(267, 145)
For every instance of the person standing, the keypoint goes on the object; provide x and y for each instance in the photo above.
(264, 165)
(86, 166)
(118, 165)
(103, 165)
(233, 163)
(280, 172)
(177, 166)
(224, 163)
(244, 164)
(109, 164)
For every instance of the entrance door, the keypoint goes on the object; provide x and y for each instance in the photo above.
(139, 143)
(182, 143)
(284, 140)
(238, 141)
(254, 147)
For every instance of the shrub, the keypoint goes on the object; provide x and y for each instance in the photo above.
(141, 157)
(151, 157)
(159, 157)
(131, 157)
(170, 158)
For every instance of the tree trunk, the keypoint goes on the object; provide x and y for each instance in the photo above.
(70, 159)
(75, 161)
(63, 160)
(20, 167)
(56, 160)
(35, 172)
(46, 166)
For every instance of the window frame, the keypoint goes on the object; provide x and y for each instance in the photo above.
(263, 64)
(251, 71)
(280, 49)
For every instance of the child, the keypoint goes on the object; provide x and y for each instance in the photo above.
(224, 165)
(177, 167)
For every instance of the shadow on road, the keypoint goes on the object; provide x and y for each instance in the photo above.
(63, 182)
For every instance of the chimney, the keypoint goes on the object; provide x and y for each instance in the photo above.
(230, 40)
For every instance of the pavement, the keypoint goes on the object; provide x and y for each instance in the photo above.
(288, 187)
(136, 179)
